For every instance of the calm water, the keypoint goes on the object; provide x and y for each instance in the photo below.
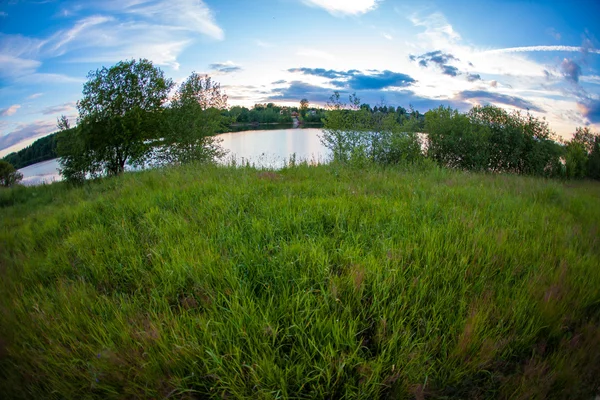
(263, 148)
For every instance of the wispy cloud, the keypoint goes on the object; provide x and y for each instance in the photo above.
(35, 96)
(192, 15)
(7, 112)
(527, 49)
(56, 44)
(27, 131)
(485, 96)
(344, 7)
(59, 109)
(554, 33)
(155, 29)
(226, 67)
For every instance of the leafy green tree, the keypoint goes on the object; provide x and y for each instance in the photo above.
(303, 107)
(575, 160)
(517, 142)
(118, 118)
(9, 176)
(454, 142)
(192, 120)
(594, 159)
(583, 154)
(355, 134)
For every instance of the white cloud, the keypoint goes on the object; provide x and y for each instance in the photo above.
(35, 96)
(437, 30)
(191, 15)
(344, 7)
(59, 40)
(7, 112)
(509, 73)
(11, 66)
(387, 36)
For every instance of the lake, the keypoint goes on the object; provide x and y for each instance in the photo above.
(263, 148)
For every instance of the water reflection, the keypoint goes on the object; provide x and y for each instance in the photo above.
(262, 148)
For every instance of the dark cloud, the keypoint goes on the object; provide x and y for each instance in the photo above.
(450, 70)
(441, 60)
(225, 68)
(279, 82)
(473, 77)
(24, 132)
(380, 80)
(317, 94)
(498, 98)
(570, 70)
(324, 73)
(298, 90)
(590, 109)
(357, 80)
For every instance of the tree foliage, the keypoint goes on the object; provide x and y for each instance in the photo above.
(354, 133)
(9, 176)
(191, 122)
(492, 139)
(118, 117)
(41, 150)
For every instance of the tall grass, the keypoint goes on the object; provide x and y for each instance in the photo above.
(309, 282)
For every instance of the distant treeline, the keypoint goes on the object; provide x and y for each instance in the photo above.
(41, 150)
(271, 113)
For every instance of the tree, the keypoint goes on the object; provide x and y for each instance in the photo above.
(9, 176)
(118, 117)
(63, 123)
(454, 142)
(303, 107)
(192, 120)
(583, 154)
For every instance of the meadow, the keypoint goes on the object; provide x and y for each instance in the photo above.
(308, 282)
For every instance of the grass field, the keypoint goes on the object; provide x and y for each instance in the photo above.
(309, 282)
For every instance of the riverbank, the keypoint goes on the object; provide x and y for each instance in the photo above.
(309, 282)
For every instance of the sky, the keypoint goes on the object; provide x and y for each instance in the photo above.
(541, 56)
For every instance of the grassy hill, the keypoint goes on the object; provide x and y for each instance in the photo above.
(310, 282)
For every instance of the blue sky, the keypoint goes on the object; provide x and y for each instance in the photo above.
(538, 55)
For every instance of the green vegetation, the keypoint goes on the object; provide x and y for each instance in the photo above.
(310, 282)
(42, 149)
(9, 176)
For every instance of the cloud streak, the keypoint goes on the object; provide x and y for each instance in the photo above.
(226, 67)
(7, 112)
(27, 131)
(526, 49)
(482, 95)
